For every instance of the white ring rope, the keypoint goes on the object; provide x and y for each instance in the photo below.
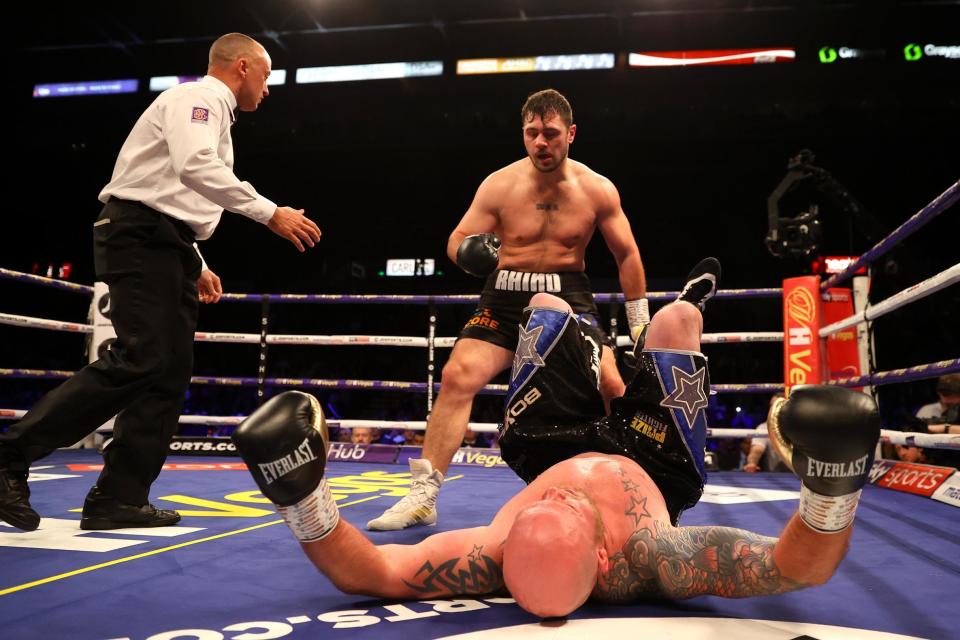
(723, 338)
(354, 340)
(926, 440)
(412, 425)
(344, 340)
(910, 294)
(41, 323)
(318, 340)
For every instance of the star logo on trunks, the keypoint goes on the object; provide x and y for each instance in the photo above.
(688, 395)
(527, 350)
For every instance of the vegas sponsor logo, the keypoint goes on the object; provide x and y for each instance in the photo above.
(479, 458)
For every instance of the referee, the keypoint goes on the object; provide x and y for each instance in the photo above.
(172, 181)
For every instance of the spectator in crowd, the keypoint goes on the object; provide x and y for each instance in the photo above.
(413, 437)
(473, 439)
(910, 454)
(364, 435)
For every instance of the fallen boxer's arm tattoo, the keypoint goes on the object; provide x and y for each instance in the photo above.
(482, 574)
(694, 561)
(623, 583)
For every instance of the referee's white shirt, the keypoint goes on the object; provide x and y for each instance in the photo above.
(178, 159)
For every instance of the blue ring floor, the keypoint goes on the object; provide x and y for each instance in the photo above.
(232, 570)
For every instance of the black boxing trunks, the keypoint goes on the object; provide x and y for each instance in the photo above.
(506, 293)
(554, 409)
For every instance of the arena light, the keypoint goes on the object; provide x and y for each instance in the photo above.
(381, 71)
(162, 83)
(710, 57)
(573, 62)
(89, 88)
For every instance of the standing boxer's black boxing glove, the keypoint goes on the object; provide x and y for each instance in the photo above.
(479, 254)
(827, 435)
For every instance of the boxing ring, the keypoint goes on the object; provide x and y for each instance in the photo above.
(228, 570)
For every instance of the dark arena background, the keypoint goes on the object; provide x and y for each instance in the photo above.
(387, 167)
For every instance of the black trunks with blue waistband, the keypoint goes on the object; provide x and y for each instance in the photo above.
(554, 409)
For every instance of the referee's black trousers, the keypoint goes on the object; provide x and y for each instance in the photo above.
(148, 261)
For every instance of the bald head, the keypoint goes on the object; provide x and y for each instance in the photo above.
(241, 63)
(233, 46)
(553, 554)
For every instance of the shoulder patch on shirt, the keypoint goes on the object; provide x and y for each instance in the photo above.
(200, 115)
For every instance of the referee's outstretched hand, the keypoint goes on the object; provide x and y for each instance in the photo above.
(294, 226)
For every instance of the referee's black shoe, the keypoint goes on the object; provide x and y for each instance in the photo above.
(101, 512)
(15, 506)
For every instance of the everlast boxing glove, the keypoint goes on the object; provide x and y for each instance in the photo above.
(827, 435)
(479, 254)
(284, 444)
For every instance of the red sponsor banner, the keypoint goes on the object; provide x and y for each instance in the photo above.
(921, 479)
(710, 57)
(843, 361)
(175, 466)
(802, 363)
